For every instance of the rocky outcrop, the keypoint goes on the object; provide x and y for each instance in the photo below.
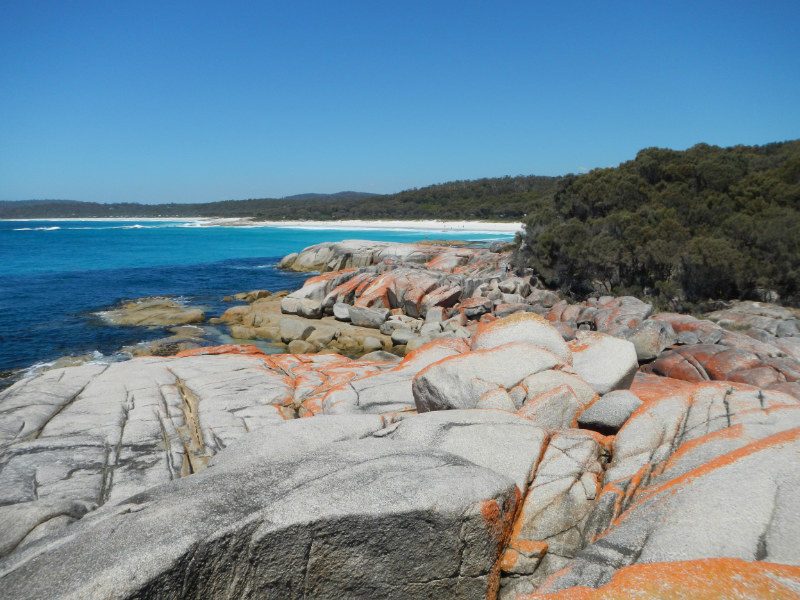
(562, 451)
(153, 312)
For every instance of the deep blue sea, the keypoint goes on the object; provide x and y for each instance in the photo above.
(56, 275)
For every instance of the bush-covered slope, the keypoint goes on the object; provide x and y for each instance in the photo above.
(680, 227)
(505, 198)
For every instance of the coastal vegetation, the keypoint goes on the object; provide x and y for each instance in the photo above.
(674, 227)
(494, 199)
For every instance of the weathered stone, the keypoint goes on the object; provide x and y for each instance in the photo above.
(303, 307)
(294, 329)
(153, 312)
(496, 440)
(368, 317)
(650, 338)
(604, 362)
(529, 328)
(540, 383)
(322, 336)
(475, 307)
(556, 511)
(382, 356)
(497, 398)
(240, 332)
(683, 518)
(728, 578)
(460, 381)
(555, 409)
(406, 545)
(300, 347)
(341, 312)
(610, 412)
(371, 344)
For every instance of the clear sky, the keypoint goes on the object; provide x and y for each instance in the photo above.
(194, 101)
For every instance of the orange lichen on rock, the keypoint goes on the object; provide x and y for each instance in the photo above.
(248, 349)
(654, 387)
(706, 579)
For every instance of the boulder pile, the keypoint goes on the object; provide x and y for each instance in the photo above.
(544, 454)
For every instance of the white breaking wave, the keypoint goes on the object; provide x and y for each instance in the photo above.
(37, 228)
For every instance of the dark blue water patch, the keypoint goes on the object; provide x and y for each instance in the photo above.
(44, 316)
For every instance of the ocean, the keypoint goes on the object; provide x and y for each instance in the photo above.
(56, 276)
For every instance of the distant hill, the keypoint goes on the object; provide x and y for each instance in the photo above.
(505, 198)
(677, 227)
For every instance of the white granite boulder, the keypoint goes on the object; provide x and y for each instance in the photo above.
(460, 381)
(527, 327)
(606, 363)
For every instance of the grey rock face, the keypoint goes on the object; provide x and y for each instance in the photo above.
(500, 441)
(604, 362)
(685, 520)
(78, 438)
(650, 338)
(460, 381)
(556, 511)
(341, 311)
(379, 519)
(368, 317)
(610, 412)
(294, 329)
(303, 307)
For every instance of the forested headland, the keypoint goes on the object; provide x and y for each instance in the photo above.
(676, 227)
(494, 199)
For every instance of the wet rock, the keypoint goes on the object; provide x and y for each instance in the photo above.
(153, 312)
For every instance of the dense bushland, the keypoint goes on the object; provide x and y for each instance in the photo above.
(676, 226)
(497, 199)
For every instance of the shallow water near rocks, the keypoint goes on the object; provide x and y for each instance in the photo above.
(55, 276)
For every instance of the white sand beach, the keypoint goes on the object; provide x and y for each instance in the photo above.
(419, 225)
(429, 225)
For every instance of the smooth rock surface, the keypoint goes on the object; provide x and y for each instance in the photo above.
(604, 362)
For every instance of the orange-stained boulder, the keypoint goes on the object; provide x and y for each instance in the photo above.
(707, 579)
(527, 327)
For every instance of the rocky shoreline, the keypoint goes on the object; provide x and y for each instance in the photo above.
(438, 428)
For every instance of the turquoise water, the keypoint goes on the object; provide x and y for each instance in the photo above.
(56, 275)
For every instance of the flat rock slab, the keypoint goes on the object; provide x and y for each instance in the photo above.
(153, 312)
(495, 439)
(356, 518)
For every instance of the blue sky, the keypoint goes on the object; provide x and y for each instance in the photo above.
(197, 101)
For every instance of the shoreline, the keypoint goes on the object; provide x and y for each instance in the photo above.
(411, 225)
